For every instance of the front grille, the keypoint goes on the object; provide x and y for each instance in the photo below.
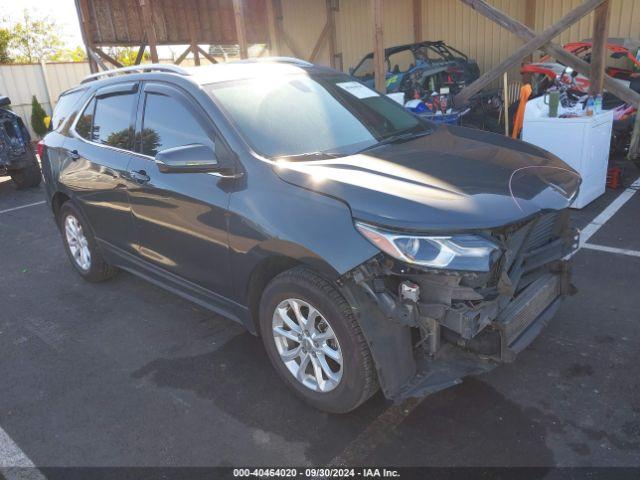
(543, 231)
(528, 306)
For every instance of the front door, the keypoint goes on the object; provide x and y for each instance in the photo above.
(180, 218)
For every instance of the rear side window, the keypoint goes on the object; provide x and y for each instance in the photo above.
(83, 126)
(112, 121)
(167, 123)
(64, 108)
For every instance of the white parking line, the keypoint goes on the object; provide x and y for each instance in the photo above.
(619, 251)
(22, 206)
(608, 212)
(14, 463)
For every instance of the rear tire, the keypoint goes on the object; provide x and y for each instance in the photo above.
(328, 385)
(81, 246)
(27, 177)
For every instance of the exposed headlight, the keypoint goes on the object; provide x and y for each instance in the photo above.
(452, 252)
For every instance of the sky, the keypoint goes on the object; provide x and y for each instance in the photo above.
(63, 12)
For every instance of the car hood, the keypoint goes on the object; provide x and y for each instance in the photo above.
(454, 179)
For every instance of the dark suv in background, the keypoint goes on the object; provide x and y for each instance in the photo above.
(367, 247)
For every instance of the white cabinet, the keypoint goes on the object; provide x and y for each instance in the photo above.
(581, 142)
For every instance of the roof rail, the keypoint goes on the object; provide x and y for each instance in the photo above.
(295, 61)
(153, 67)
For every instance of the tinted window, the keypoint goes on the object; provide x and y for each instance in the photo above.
(112, 121)
(297, 114)
(64, 108)
(83, 127)
(167, 123)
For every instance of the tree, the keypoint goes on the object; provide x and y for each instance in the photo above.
(5, 37)
(126, 55)
(34, 38)
(77, 54)
(37, 117)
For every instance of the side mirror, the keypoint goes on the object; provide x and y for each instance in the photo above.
(194, 158)
(5, 101)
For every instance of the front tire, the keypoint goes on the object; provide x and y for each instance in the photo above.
(315, 342)
(81, 246)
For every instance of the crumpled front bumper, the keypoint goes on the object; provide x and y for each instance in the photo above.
(460, 325)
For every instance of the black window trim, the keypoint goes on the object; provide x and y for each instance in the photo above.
(113, 90)
(158, 87)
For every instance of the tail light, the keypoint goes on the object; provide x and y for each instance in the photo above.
(40, 148)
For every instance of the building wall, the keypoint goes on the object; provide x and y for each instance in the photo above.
(448, 20)
(21, 82)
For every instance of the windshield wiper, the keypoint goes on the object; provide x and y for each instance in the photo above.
(397, 138)
(319, 155)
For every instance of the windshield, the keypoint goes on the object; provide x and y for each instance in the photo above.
(299, 114)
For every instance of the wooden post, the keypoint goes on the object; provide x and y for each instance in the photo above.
(149, 29)
(82, 8)
(600, 36)
(530, 21)
(417, 21)
(272, 23)
(505, 102)
(241, 29)
(379, 61)
(193, 36)
(331, 21)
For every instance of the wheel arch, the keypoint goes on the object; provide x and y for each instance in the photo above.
(270, 266)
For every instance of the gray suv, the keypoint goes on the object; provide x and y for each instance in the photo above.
(368, 248)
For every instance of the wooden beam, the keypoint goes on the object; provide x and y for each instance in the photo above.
(206, 55)
(331, 20)
(241, 28)
(553, 49)
(379, 63)
(82, 7)
(140, 54)
(193, 39)
(599, 47)
(417, 21)
(97, 60)
(530, 21)
(149, 29)
(108, 58)
(321, 39)
(272, 24)
(183, 55)
(528, 48)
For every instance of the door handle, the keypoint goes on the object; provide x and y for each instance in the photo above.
(74, 155)
(140, 176)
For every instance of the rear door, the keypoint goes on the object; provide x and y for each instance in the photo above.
(180, 218)
(98, 153)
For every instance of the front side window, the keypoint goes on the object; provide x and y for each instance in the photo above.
(293, 115)
(167, 124)
(112, 121)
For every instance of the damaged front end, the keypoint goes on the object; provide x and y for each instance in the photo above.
(427, 327)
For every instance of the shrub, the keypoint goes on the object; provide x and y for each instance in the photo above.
(37, 117)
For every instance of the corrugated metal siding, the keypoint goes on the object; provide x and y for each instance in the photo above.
(624, 22)
(448, 20)
(21, 82)
(471, 33)
(303, 20)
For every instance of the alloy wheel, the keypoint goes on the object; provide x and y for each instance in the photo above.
(77, 242)
(307, 345)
